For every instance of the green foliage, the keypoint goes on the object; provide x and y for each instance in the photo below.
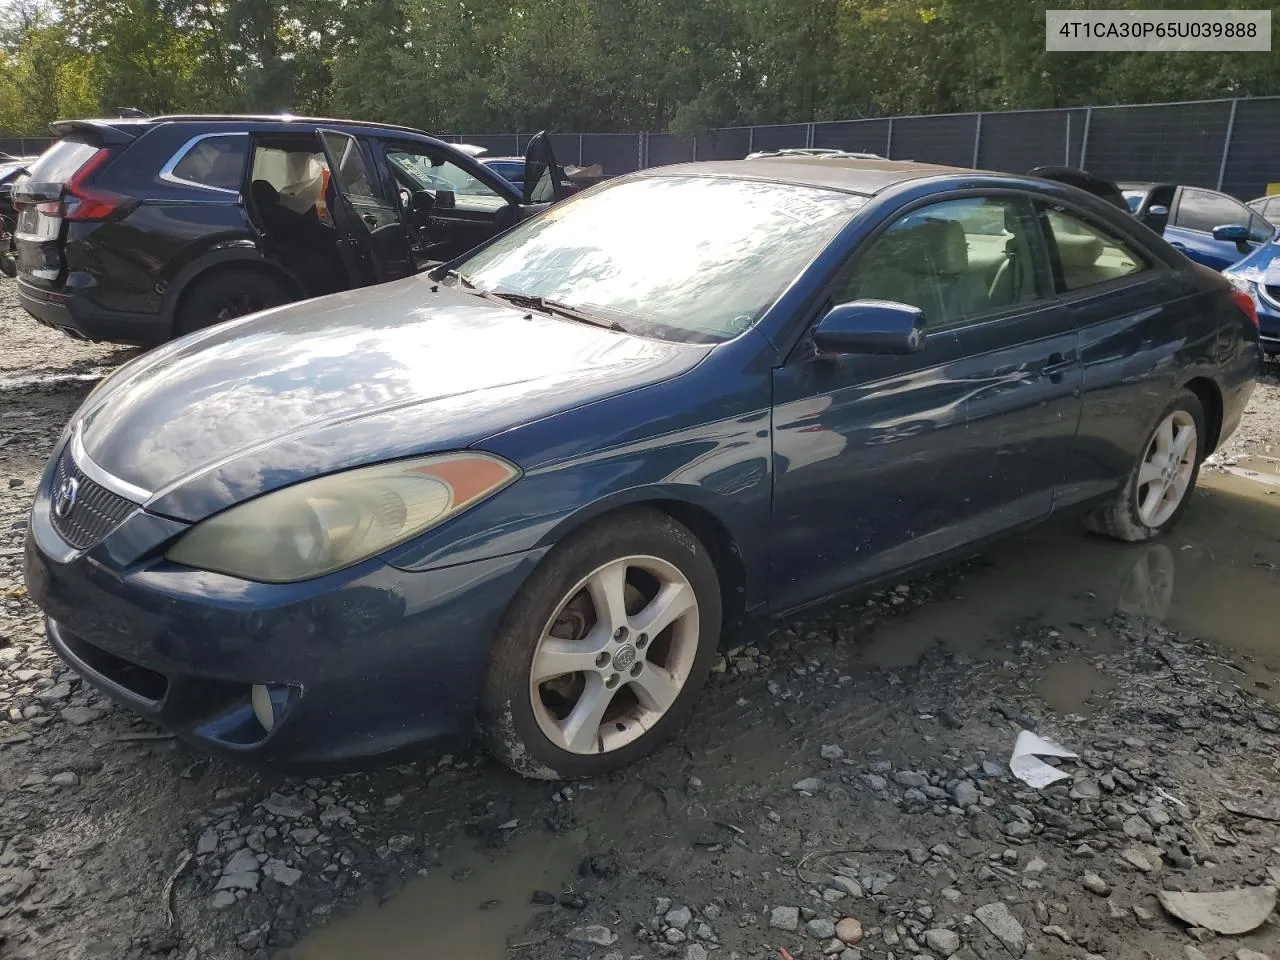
(595, 65)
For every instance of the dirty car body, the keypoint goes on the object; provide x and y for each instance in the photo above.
(1055, 329)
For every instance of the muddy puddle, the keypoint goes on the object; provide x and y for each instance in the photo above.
(28, 380)
(1217, 578)
(464, 908)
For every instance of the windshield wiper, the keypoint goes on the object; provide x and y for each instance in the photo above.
(530, 302)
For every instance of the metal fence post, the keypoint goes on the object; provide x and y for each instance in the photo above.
(1084, 138)
(1226, 142)
(695, 146)
(888, 142)
(1066, 143)
(579, 149)
(977, 140)
(808, 136)
(751, 139)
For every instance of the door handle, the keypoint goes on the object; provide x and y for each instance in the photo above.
(370, 220)
(1177, 244)
(1056, 366)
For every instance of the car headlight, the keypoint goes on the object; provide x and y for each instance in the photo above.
(323, 525)
(1241, 283)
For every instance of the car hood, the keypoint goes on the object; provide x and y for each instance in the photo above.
(369, 375)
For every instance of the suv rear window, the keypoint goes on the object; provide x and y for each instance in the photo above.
(60, 162)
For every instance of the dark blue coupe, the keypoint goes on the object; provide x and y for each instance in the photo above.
(531, 492)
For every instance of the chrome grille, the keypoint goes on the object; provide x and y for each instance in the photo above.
(94, 511)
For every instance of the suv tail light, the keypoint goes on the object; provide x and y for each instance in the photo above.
(84, 203)
(1245, 303)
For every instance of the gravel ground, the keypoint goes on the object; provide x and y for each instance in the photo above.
(843, 789)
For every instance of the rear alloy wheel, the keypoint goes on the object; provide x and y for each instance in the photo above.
(226, 295)
(604, 649)
(1159, 488)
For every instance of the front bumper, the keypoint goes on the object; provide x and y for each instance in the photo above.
(368, 661)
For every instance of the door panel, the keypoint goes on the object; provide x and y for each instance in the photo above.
(1197, 214)
(884, 463)
(544, 180)
(1133, 325)
(1129, 345)
(375, 247)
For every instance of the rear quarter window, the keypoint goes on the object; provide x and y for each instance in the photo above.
(60, 162)
(216, 162)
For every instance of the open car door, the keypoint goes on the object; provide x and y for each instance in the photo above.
(1153, 209)
(372, 238)
(544, 180)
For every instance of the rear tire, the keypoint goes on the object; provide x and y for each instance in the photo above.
(580, 683)
(225, 295)
(1159, 488)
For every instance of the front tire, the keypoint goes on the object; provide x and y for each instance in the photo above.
(603, 651)
(1158, 490)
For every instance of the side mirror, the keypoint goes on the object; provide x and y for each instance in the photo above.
(1231, 233)
(870, 326)
(424, 202)
(1158, 211)
(444, 200)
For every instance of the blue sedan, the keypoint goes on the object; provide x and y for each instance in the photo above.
(532, 492)
(1258, 275)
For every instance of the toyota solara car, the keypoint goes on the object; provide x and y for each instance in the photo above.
(531, 492)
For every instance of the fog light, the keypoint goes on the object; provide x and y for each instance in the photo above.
(263, 709)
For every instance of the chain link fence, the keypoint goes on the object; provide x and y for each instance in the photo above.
(1227, 145)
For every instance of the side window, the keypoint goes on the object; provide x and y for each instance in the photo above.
(422, 171)
(291, 174)
(1203, 210)
(1084, 255)
(1272, 209)
(957, 261)
(216, 162)
(1260, 230)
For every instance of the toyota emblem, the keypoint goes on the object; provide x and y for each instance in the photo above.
(64, 498)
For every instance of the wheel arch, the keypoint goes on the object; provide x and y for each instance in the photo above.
(1210, 396)
(712, 531)
(224, 261)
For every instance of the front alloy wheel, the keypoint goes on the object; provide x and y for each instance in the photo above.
(615, 655)
(603, 650)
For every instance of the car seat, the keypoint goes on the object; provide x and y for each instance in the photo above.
(924, 263)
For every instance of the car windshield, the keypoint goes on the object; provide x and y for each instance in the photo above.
(432, 175)
(684, 258)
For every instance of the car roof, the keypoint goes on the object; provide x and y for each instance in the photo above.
(847, 174)
(135, 126)
(501, 159)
